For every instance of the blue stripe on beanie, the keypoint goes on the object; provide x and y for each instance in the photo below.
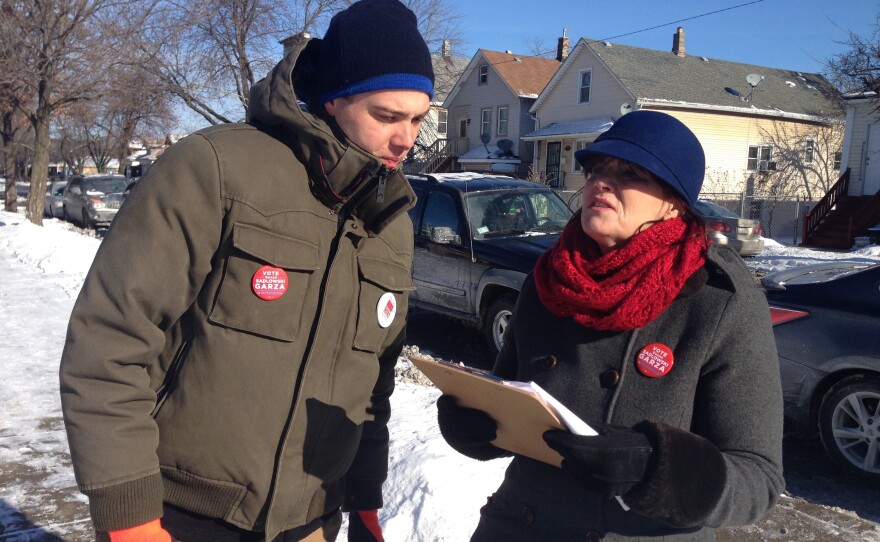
(388, 81)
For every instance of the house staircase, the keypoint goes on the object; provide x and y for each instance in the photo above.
(437, 158)
(838, 218)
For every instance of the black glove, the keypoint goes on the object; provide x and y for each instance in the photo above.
(363, 526)
(468, 431)
(611, 463)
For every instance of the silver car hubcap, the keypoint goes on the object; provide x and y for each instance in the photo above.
(499, 325)
(855, 425)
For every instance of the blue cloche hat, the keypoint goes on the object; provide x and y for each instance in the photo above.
(657, 142)
(373, 45)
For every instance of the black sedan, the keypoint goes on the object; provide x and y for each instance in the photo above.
(826, 321)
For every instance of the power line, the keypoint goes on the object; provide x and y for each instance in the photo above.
(540, 54)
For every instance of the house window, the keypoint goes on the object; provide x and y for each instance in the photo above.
(838, 156)
(502, 120)
(576, 166)
(484, 74)
(586, 80)
(760, 158)
(485, 121)
(809, 151)
(442, 121)
(462, 128)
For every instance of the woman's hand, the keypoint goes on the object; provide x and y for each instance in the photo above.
(612, 462)
(468, 431)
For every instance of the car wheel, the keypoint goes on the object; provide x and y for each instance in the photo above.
(496, 320)
(64, 214)
(87, 223)
(849, 424)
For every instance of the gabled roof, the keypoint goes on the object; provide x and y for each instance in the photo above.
(526, 76)
(661, 77)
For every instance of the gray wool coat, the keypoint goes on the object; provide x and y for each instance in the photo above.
(722, 393)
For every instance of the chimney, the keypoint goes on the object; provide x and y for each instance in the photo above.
(446, 50)
(562, 47)
(292, 41)
(678, 42)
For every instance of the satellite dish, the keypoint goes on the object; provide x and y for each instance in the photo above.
(754, 79)
(625, 108)
(484, 138)
(504, 145)
(732, 91)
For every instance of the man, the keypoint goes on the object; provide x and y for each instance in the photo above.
(230, 358)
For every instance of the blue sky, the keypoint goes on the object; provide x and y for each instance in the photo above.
(789, 34)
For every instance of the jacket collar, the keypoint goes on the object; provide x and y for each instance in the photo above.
(346, 178)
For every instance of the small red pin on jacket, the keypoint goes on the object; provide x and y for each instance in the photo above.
(655, 360)
(269, 283)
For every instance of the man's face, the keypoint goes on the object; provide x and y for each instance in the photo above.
(384, 123)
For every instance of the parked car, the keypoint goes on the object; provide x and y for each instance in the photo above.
(93, 200)
(477, 236)
(727, 228)
(53, 203)
(826, 320)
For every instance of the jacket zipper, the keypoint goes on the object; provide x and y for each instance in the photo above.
(170, 376)
(344, 214)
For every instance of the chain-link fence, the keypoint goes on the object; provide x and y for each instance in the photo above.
(782, 218)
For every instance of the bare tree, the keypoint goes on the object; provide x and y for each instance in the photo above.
(209, 54)
(858, 68)
(57, 55)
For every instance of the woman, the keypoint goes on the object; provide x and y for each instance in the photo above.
(656, 339)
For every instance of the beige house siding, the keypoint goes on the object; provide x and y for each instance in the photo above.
(472, 98)
(860, 117)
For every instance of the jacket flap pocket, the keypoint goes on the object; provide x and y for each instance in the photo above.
(280, 251)
(385, 274)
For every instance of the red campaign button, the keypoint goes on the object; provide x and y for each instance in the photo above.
(269, 283)
(655, 360)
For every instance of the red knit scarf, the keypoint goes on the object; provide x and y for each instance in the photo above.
(625, 288)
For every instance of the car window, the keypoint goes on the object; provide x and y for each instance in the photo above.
(416, 210)
(711, 210)
(509, 212)
(440, 211)
(107, 185)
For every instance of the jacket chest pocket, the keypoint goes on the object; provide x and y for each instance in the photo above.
(382, 287)
(265, 281)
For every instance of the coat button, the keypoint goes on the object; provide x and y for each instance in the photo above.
(594, 536)
(548, 363)
(527, 515)
(609, 378)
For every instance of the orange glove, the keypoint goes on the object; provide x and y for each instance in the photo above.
(148, 532)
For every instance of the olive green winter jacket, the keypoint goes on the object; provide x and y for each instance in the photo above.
(180, 384)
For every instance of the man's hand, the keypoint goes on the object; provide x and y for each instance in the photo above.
(148, 532)
(363, 526)
(612, 462)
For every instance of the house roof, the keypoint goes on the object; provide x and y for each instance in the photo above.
(573, 128)
(663, 78)
(526, 76)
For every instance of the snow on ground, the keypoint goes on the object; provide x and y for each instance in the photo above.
(433, 493)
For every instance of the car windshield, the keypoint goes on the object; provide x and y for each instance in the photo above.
(104, 185)
(711, 210)
(504, 213)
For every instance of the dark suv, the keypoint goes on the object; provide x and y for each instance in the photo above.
(477, 236)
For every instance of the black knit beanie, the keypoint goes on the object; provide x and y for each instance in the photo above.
(373, 45)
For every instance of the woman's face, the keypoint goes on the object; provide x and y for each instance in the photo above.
(620, 200)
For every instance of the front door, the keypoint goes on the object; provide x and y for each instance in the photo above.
(554, 152)
(872, 162)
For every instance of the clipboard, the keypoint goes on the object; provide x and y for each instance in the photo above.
(522, 414)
